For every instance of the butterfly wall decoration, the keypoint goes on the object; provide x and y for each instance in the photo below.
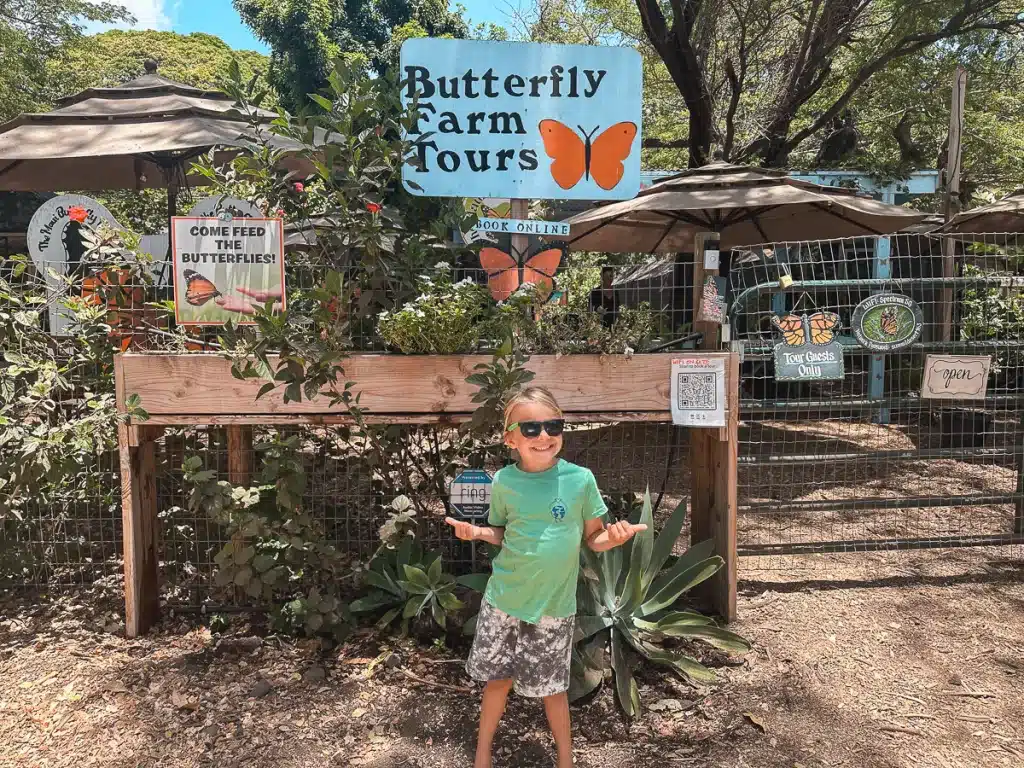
(578, 155)
(505, 274)
(797, 330)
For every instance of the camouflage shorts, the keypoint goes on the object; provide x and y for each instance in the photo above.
(535, 656)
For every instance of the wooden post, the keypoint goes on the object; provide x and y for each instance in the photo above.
(239, 454)
(724, 460)
(702, 473)
(520, 209)
(956, 125)
(137, 450)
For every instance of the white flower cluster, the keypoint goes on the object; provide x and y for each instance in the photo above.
(399, 523)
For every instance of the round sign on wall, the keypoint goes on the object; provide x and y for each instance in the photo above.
(55, 243)
(886, 322)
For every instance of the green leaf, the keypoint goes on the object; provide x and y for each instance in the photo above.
(586, 671)
(674, 619)
(412, 588)
(449, 601)
(720, 638)
(469, 628)
(372, 602)
(679, 582)
(639, 559)
(388, 617)
(242, 576)
(413, 606)
(625, 684)
(263, 563)
(382, 582)
(438, 613)
(607, 566)
(416, 576)
(434, 572)
(666, 541)
(475, 581)
(586, 626)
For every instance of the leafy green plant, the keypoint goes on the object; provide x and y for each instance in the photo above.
(505, 374)
(276, 552)
(408, 581)
(446, 318)
(627, 601)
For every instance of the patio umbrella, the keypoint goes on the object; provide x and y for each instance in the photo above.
(1002, 216)
(744, 205)
(143, 133)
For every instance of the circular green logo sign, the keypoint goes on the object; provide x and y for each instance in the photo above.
(887, 321)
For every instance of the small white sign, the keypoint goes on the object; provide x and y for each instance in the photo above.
(955, 377)
(711, 259)
(698, 391)
(523, 227)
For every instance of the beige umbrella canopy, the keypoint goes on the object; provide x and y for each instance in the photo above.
(1002, 216)
(745, 205)
(143, 133)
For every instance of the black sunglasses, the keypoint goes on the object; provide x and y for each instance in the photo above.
(532, 429)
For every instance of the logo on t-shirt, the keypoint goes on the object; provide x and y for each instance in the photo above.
(558, 509)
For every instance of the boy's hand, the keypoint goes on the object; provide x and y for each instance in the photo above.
(463, 530)
(621, 532)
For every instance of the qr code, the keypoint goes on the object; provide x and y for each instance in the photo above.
(697, 391)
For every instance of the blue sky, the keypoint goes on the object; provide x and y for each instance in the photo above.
(218, 17)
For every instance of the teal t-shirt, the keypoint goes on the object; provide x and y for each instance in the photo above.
(543, 514)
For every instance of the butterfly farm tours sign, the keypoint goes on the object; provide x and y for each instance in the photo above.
(809, 350)
(522, 120)
(225, 267)
(886, 322)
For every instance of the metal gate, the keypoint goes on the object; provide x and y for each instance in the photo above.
(865, 463)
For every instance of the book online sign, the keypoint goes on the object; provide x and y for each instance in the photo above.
(522, 120)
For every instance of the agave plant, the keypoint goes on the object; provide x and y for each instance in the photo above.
(408, 581)
(627, 600)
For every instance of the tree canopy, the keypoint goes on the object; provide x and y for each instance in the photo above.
(113, 57)
(32, 33)
(306, 35)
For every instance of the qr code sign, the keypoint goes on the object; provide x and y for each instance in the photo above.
(697, 391)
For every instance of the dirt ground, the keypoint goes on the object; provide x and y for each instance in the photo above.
(892, 660)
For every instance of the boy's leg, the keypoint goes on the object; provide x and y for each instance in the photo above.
(557, 709)
(491, 709)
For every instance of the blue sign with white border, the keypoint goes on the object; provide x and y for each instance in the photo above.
(523, 120)
(470, 494)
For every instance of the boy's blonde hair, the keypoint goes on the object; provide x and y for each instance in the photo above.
(538, 395)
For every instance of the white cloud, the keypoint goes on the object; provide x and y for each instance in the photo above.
(149, 14)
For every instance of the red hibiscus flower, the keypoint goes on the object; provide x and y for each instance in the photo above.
(78, 213)
(280, 213)
(373, 207)
(300, 187)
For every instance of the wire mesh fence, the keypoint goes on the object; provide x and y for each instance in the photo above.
(637, 304)
(866, 463)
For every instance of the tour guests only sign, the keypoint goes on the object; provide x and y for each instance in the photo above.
(224, 267)
(523, 120)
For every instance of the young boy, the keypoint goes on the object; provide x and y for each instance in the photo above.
(542, 509)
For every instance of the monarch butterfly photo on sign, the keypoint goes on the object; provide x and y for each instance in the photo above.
(199, 290)
(505, 275)
(575, 158)
(818, 329)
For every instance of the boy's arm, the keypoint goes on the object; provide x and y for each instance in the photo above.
(492, 534)
(601, 539)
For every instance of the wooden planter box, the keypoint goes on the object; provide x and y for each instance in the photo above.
(199, 389)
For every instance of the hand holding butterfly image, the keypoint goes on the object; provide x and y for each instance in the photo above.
(575, 158)
(504, 275)
(235, 304)
(818, 329)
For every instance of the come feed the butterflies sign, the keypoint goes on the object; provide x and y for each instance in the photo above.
(809, 350)
(523, 120)
(224, 267)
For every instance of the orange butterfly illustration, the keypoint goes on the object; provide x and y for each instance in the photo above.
(503, 272)
(573, 157)
(797, 330)
(889, 321)
(199, 290)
